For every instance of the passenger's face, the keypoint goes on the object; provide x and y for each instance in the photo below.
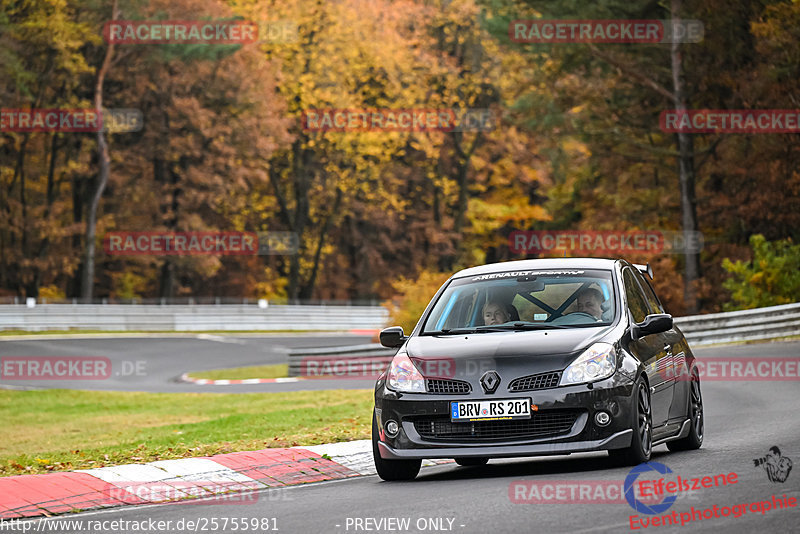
(494, 314)
(590, 305)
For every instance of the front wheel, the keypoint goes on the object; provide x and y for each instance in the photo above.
(642, 424)
(695, 413)
(391, 469)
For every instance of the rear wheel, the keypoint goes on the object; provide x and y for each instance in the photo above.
(471, 462)
(391, 469)
(695, 413)
(642, 424)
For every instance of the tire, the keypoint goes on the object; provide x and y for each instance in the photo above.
(392, 470)
(694, 412)
(471, 462)
(642, 425)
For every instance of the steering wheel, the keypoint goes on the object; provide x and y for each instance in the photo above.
(579, 318)
(589, 315)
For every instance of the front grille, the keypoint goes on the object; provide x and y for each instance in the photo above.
(447, 387)
(551, 423)
(532, 382)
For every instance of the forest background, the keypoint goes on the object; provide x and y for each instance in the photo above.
(388, 215)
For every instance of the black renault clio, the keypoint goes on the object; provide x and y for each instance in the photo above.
(537, 357)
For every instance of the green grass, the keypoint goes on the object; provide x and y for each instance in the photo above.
(56, 430)
(280, 370)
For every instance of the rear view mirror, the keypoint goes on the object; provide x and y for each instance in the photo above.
(393, 337)
(652, 324)
(530, 284)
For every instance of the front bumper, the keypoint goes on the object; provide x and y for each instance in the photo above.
(613, 395)
(616, 441)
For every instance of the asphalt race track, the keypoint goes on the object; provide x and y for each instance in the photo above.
(742, 421)
(154, 364)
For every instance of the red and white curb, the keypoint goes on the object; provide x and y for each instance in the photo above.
(208, 382)
(357, 455)
(228, 478)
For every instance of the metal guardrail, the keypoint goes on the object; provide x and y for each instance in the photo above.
(745, 325)
(182, 318)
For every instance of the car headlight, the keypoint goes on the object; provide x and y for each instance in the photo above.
(596, 363)
(404, 375)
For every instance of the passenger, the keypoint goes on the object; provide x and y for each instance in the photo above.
(589, 301)
(496, 313)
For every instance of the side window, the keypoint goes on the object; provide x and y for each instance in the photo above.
(650, 295)
(633, 294)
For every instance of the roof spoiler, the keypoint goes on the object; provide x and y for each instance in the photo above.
(645, 269)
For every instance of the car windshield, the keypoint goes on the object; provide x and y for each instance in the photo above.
(523, 300)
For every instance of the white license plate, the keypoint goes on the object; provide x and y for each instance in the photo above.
(490, 410)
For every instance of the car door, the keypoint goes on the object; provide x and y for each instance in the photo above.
(676, 364)
(650, 351)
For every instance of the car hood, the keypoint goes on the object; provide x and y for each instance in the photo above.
(511, 354)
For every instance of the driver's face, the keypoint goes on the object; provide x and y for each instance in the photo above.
(494, 314)
(590, 305)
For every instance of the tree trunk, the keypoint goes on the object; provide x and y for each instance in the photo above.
(44, 246)
(104, 165)
(308, 289)
(300, 170)
(462, 162)
(686, 173)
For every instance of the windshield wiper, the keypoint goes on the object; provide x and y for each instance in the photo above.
(453, 331)
(496, 328)
(521, 326)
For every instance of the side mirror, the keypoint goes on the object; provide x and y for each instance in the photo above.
(652, 324)
(393, 337)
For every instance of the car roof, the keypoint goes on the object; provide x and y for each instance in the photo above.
(545, 263)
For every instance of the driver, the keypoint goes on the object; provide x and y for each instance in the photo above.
(589, 301)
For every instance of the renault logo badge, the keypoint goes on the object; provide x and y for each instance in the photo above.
(489, 381)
